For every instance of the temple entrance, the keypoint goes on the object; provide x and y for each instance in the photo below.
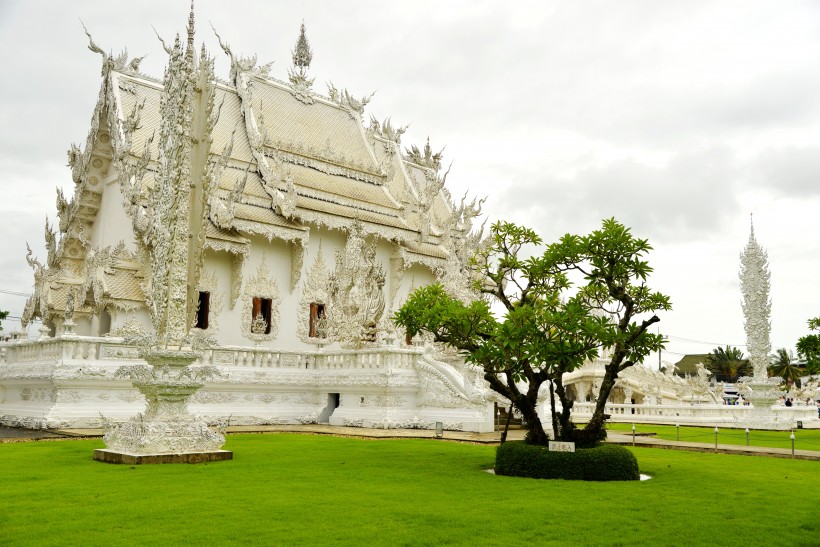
(332, 404)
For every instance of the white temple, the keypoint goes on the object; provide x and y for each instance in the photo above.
(304, 227)
(266, 231)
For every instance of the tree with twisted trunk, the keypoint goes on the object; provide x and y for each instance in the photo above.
(582, 295)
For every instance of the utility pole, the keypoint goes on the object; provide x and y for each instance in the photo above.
(660, 351)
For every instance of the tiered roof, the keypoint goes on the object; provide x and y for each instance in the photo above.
(282, 157)
(341, 170)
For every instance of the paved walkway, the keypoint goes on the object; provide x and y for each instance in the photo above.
(11, 434)
(8, 434)
(652, 442)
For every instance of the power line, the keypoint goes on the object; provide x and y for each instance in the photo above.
(675, 353)
(701, 341)
(15, 293)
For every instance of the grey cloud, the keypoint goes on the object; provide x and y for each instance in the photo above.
(689, 197)
(20, 227)
(688, 80)
(789, 170)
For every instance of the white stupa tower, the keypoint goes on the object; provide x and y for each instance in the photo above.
(760, 390)
(757, 306)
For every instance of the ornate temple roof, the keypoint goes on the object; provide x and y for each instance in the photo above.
(255, 156)
(341, 170)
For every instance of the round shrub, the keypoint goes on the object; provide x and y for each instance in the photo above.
(607, 462)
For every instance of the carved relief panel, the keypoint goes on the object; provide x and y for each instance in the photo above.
(260, 305)
(356, 292)
(314, 292)
(210, 303)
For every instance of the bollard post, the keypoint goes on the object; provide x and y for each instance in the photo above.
(792, 438)
(633, 434)
(677, 427)
(747, 436)
(716, 434)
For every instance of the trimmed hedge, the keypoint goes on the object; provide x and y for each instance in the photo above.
(607, 462)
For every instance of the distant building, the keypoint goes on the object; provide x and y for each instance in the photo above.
(686, 365)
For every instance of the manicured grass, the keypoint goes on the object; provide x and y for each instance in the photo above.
(804, 439)
(287, 489)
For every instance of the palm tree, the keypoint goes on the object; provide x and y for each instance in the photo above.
(727, 364)
(783, 366)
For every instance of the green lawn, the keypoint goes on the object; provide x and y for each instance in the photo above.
(286, 489)
(804, 439)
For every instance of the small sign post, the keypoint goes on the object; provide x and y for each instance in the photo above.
(557, 446)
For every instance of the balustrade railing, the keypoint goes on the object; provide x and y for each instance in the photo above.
(70, 348)
(708, 413)
(54, 350)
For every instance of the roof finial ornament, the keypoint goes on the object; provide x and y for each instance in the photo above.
(91, 45)
(189, 52)
(752, 224)
(302, 56)
(191, 27)
(120, 62)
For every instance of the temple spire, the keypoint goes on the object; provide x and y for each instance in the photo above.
(189, 53)
(302, 56)
(754, 285)
(191, 26)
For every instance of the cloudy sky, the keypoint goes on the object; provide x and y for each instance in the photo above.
(678, 118)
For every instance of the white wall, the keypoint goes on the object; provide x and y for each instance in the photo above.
(113, 224)
(278, 258)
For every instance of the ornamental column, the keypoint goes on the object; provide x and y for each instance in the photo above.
(170, 230)
(760, 390)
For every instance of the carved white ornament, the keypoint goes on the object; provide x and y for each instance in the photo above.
(356, 292)
(209, 283)
(315, 290)
(273, 173)
(757, 307)
(261, 285)
(166, 427)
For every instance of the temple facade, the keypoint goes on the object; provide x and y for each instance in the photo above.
(305, 227)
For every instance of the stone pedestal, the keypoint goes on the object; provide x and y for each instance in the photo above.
(762, 393)
(166, 432)
(110, 456)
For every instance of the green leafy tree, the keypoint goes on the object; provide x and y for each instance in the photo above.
(550, 325)
(3, 315)
(808, 347)
(728, 364)
(784, 367)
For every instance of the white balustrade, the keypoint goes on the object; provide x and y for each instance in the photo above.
(68, 348)
(670, 413)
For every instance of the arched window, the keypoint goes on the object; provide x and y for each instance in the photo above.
(263, 307)
(203, 309)
(317, 312)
